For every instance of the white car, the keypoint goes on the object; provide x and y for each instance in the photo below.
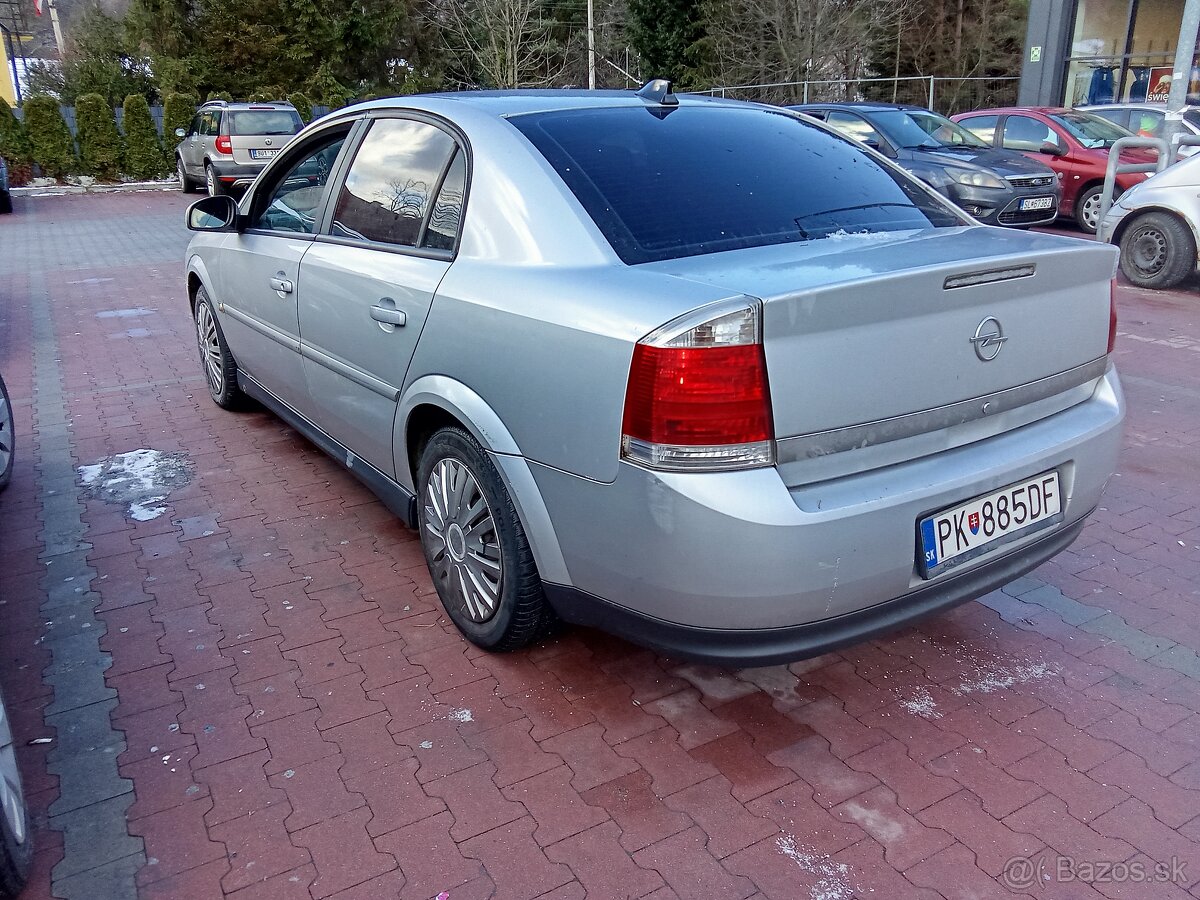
(1157, 226)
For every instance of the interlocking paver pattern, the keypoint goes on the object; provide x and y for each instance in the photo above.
(297, 719)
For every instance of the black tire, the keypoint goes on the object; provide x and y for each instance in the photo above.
(211, 183)
(1084, 204)
(1157, 251)
(185, 183)
(15, 857)
(7, 437)
(5, 203)
(520, 614)
(216, 362)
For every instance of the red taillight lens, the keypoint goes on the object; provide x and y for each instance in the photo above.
(1112, 315)
(224, 145)
(697, 397)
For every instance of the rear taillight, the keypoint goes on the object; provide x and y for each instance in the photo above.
(224, 144)
(697, 397)
(1112, 316)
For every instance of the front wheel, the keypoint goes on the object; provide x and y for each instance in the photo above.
(1157, 251)
(7, 430)
(1087, 209)
(475, 547)
(220, 369)
(16, 837)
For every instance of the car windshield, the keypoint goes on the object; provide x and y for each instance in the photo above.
(1093, 132)
(1192, 116)
(262, 121)
(918, 129)
(663, 183)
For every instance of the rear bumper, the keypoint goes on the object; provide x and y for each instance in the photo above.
(771, 646)
(232, 174)
(739, 567)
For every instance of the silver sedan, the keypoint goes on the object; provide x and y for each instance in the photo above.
(701, 373)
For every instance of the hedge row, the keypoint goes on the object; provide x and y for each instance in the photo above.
(99, 149)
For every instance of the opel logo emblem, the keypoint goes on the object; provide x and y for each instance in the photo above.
(267, 142)
(988, 339)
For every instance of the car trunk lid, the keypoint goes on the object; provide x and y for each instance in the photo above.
(867, 328)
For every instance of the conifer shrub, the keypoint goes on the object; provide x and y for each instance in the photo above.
(50, 141)
(99, 140)
(143, 152)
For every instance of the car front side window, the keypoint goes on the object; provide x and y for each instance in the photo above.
(294, 199)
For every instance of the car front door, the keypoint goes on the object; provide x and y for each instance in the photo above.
(188, 146)
(367, 283)
(260, 268)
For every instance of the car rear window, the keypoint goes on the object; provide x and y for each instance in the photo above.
(265, 121)
(663, 183)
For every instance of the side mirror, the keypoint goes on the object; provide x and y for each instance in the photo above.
(218, 213)
(180, 132)
(1052, 149)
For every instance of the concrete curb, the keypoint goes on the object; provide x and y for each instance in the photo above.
(55, 190)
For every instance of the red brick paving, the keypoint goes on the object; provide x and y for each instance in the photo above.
(303, 722)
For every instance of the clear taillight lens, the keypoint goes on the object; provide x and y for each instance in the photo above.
(697, 398)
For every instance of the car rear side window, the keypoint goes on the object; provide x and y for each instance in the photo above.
(262, 121)
(983, 127)
(446, 218)
(391, 183)
(663, 183)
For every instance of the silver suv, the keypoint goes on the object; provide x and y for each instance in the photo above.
(228, 144)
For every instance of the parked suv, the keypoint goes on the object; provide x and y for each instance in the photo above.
(227, 144)
(997, 187)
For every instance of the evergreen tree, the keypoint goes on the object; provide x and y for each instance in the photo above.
(662, 32)
(50, 140)
(303, 106)
(178, 110)
(14, 142)
(99, 140)
(143, 152)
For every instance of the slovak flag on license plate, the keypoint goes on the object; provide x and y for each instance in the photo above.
(973, 522)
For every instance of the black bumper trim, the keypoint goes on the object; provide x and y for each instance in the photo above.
(771, 646)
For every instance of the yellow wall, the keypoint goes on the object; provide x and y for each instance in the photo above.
(7, 90)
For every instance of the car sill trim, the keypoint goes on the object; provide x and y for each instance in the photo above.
(882, 431)
(261, 327)
(358, 376)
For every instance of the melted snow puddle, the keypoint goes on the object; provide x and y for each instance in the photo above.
(141, 480)
(833, 878)
(992, 677)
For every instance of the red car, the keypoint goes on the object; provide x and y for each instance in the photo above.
(1073, 143)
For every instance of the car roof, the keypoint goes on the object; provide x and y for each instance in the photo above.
(265, 104)
(503, 104)
(861, 105)
(1002, 110)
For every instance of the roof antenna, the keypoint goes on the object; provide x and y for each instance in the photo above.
(658, 90)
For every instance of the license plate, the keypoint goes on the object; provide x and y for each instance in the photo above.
(263, 154)
(1032, 203)
(954, 535)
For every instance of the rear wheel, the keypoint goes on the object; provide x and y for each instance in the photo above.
(16, 840)
(475, 547)
(1157, 251)
(5, 203)
(220, 369)
(211, 183)
(6, 437)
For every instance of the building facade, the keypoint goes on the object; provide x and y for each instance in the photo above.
(1101, 51)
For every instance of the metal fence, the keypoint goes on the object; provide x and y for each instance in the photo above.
(945, 95)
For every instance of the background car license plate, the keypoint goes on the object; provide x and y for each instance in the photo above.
(957, 534)
(263, 154)
(1033, 203)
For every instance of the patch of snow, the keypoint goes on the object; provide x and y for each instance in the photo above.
(118, 313)
(461, 715)
(922, 705)
(842, 234)
(833, 878)
(140, 480)
(996, 677)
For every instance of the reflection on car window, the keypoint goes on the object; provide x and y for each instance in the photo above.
(664, 184)
(983, 127)
(852, 126)
(915, 128)
(444, 222)
(391, 182)
(1091, 131)
(1025, 133)
(293, 203)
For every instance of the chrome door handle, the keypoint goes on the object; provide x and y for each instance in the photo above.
(388, 315)
(282, 285)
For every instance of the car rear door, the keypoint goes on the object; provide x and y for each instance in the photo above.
(367, 283)
(260, 269)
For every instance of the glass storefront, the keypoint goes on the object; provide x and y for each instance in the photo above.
(1124, 50)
